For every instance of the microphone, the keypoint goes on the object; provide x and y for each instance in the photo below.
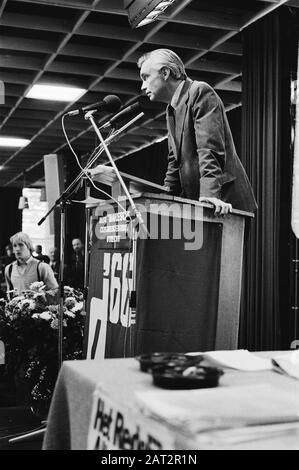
(110, 103)
(124, 113)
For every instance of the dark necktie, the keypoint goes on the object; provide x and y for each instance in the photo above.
(171, 120)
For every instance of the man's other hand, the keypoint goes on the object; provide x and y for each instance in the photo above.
(221, 207)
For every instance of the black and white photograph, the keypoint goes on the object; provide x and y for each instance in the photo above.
(149, 227)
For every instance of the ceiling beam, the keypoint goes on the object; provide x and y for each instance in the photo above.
(40, 23)
(20, 77)
(76, 68)
(21, 62)
(216, 66)
(25, 44)
(110, 32)
(93, 52)
(207, 19)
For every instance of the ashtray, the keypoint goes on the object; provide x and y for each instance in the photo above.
(194, 376)
(148, 362)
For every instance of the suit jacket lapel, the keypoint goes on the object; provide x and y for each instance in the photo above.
(180, 115)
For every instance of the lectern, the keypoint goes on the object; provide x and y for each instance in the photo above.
(176, 288)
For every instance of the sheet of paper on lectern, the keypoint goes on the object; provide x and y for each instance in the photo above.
(239, 359)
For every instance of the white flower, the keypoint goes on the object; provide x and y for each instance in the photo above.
(53, 308)
(77, 307)
(55, 324)
(46, 316)
(16, 299)
(68, 290)
(38, 285)
(32, 304)
(69, 313)
(70, 302)
(36, 316)
(27, 303)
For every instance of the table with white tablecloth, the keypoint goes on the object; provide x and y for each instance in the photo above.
(71, 407)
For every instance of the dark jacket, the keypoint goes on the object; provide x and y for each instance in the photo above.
(76, 271)
(202, 158)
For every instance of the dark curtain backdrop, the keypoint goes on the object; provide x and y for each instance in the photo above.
(267, 55)
(235, 121)
(10, 215)
(149, 163)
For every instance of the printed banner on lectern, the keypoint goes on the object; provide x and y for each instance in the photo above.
(152, 294)
(115, 427)
(110, 318)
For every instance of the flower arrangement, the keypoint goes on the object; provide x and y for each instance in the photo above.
(29, 329)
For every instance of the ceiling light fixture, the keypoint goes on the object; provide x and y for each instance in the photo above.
(55, 93)
(143, 12)
(13, 142)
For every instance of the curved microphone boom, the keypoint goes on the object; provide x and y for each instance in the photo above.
(110, 103)
(123, 114)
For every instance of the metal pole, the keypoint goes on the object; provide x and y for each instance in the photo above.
(86, 245)
(133, 297)
(295, 306)
(61, 285)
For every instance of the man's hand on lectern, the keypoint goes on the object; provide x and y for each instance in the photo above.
(221, 207)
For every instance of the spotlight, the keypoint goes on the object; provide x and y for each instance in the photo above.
(143, 12)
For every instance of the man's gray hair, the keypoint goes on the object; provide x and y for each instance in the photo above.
(166, 58)
(22, 237)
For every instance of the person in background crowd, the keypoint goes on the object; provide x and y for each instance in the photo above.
(26, 269)
(76, 269)
(54, 261)
(38, 254)
(8, 258)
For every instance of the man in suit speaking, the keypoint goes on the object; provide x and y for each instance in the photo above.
(202, 160)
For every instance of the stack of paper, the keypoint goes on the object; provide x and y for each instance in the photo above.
(240, 359)
(224, 414)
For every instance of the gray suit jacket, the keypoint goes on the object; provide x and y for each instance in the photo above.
(202, 159)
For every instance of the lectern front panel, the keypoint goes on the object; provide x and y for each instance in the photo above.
(177, 289)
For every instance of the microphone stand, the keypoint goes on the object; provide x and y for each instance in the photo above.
(89, 116)
(133, 297)
(86, 244)
(110, 139)
(61, 203)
